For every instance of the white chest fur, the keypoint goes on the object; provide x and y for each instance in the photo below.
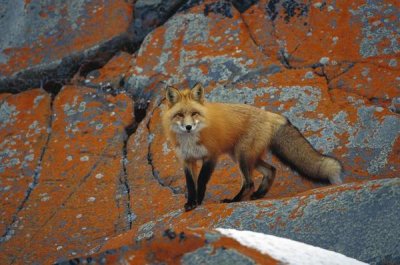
(188, 147)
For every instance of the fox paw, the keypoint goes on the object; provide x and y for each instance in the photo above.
(228, 200)
(256, 196)
(190, 206)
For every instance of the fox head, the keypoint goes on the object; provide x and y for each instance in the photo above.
(186, 112)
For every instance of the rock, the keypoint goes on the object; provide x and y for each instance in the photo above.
(330, 33)
(80, 197)
(328, 218)
(189, 247)
(153, 196)
(109, 78)
(104, 175)
(376, 82)
(70, 29)
(362, 136)
(150, 14)
(83, 35)
(24, 130)
(216, 247)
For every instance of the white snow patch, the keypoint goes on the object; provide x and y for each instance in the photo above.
(288, 251)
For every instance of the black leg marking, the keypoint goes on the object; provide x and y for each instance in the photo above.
(247, 181)
(191, 189)
(268, 172)
(204, 176)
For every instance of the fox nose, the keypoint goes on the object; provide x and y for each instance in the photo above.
(188, 127)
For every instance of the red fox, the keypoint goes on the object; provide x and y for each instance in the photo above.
(202, 131)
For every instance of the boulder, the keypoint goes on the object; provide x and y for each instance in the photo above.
(24, 132)
(358, 220)
(219, 246)
(109, 78)
(45, 44)
(356, 41)
(76, 184)
(191, 48)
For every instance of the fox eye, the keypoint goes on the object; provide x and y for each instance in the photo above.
(179, 114)
(195, 113)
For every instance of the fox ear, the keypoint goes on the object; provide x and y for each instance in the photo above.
(198, 93)
(172, 95)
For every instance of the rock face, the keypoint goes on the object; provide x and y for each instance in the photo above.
(47, 43)
(86, 168)
(25, 121)
(41, 36)
(219, 246)
(199, 247)
(216, 49)
(342, 219)
(326, 217)
(354, 45)
(69, 163)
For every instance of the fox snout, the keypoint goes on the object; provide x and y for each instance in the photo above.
(188, 127)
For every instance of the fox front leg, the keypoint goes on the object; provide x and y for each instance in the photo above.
(189, 169)
(204, 176)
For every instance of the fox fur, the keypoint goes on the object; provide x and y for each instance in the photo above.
(202, 131)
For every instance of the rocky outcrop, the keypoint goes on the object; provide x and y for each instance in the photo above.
(343, 219)
(25, 129)
(191, 247)
(219, 246)
(45, 44)
(85, 167)
(217, 50)
(353, 45)
(72, 163)
(352, 219)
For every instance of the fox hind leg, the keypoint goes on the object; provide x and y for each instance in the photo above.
(246, 168)
(268, 173)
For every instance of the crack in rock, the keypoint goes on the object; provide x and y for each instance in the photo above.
(155, 173)
(123, 181)
(140, 113)
(252, 38)
(35, 180)
(17, 256)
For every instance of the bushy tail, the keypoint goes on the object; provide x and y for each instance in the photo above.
(291, 146)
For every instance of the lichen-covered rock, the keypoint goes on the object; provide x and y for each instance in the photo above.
(111, 77)
(45, 41)
(377, 82)
(24, 130)
(219, 246)
(80, 195)
(186, 247)
(149, 15)
(357, 34)
(191, 48)
(358, 220)
(152, 196)
(72, 183)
